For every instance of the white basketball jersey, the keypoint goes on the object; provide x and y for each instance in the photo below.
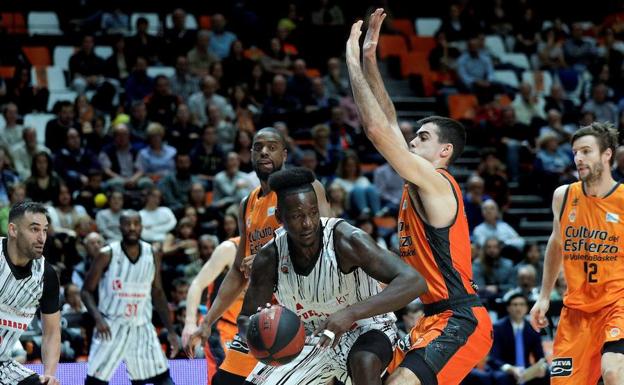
(326, 289)
(19, 301)
(125, 289)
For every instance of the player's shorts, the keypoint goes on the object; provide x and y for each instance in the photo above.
(580, 342)
(447, 343)
(12, 372)
(137, 345)
(238, 360)
(316, 366)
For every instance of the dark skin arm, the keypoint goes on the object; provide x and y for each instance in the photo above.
(160, 305)
(358, 249)
(260, 286)
(91, 282)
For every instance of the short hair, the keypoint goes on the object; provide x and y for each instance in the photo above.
(155, 129)
(179, 282)
(449, 131)
(292, 180)
(510, 296)
(21, 208)
(605, 133)
(272, 130)
(209, 237)
(127, 214)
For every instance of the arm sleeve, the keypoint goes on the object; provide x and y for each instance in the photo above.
(50, 299)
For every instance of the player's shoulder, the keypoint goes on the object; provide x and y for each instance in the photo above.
(345, 234)
(560, 194)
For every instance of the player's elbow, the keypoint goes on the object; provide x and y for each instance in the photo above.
(418, 286)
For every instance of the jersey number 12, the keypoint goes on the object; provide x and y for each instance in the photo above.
(591, 269)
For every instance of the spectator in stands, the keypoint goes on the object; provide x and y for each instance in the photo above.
(157, 220)
(107, 220)
(610, 53)
(175, 186)
(618, 167)
(528, 106)
(207, 243)
(527, 33)
(299, 85)
(73, 304)
(230, 186)
(157, 159)
(208, 215)
(23, 153)
(579, 52)
(43, 183)
(337, 198)
(412, 313)
(162, 103)
(327, 13)
(200, 101)
(139, 84)
(603, 109)
(226, 132)
(318, 103)
(443, 57)
(363, 197)
(526, 283)
(558, 101)
(556, 126)
(327, 155)
(20, 90)
(138, 122)
(532, 256)
(207, 156)
(343, 135)
(93, 243)
(309, 161)
(200, 58)
(390, 187)
(118, 161)
(237, 67)
(498, 18)
(550, 51)
(552, 161)
(275, 60)
(115, 22)
(258, 83)
(64, 213)
(216, 71)
(179, 249)
(246, 109)
(492, 272)
(220, 39)
(517, 348)
(280, 106)
(492, 170)
(11, 133)
(119, 64)
(7, 177)
(455, 27)
(336, 84)
(182, 134)
(476, 71)
(56, 129)
(494, 227)
(294, 151)
(73, 162)
(86, 69)
(178, 40)
(242, 146)
(144, 45)
(183, 83)
(228, 227)
(473, 200)
(86, 195)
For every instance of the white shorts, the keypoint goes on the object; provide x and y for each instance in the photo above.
(137, 345)
(314, 366)
(12, 372)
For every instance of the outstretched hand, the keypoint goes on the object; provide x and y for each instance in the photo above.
(372, 34)
(353, 44)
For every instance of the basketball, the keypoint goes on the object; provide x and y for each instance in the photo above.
(275, 335)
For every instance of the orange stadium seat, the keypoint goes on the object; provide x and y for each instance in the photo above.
(13, 22)
(391, 45)
(405, 26)
(417, 63)
(38, 56)
(205, 21)
(422, 43)
(463, 106)
(313, 73)
(7, 72)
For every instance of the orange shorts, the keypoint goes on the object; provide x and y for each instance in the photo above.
(448, 345)
(577, 349)
(238, 360)
(227, 331)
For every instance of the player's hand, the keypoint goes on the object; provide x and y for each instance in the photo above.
(187, 332)
(538, 314)
(353, 44)
(372, 34)
(103, 332)
(245, 267)
(172, 337)
(337, 323)
(49, 380)
(200, 336)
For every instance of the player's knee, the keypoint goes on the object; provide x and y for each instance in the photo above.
(366, 363)
(402, 376)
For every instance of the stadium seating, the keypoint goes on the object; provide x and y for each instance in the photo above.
(427, 26)
(43, 23)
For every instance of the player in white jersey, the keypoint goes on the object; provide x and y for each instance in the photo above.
(127, 277)
(328, 272)
(28, 283)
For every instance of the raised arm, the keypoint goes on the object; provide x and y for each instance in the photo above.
(371, 70)
(92, 279)
(386, 136)
(552, 263)
(358, 249)
(159, 300)
(261, 285)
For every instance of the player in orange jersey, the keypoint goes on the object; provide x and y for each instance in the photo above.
(588, 240)
(257, 225)
(456, 331)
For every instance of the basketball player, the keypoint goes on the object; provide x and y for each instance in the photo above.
(328, 272)
(127, 277)
(257, 224)
(28, 283)
(456, 332)
(588, 239)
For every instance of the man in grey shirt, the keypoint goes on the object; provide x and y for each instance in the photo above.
(199, 102)
(231, 185)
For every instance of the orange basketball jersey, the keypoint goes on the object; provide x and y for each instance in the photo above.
(592, 237)
(441, 255)
(260, 220)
